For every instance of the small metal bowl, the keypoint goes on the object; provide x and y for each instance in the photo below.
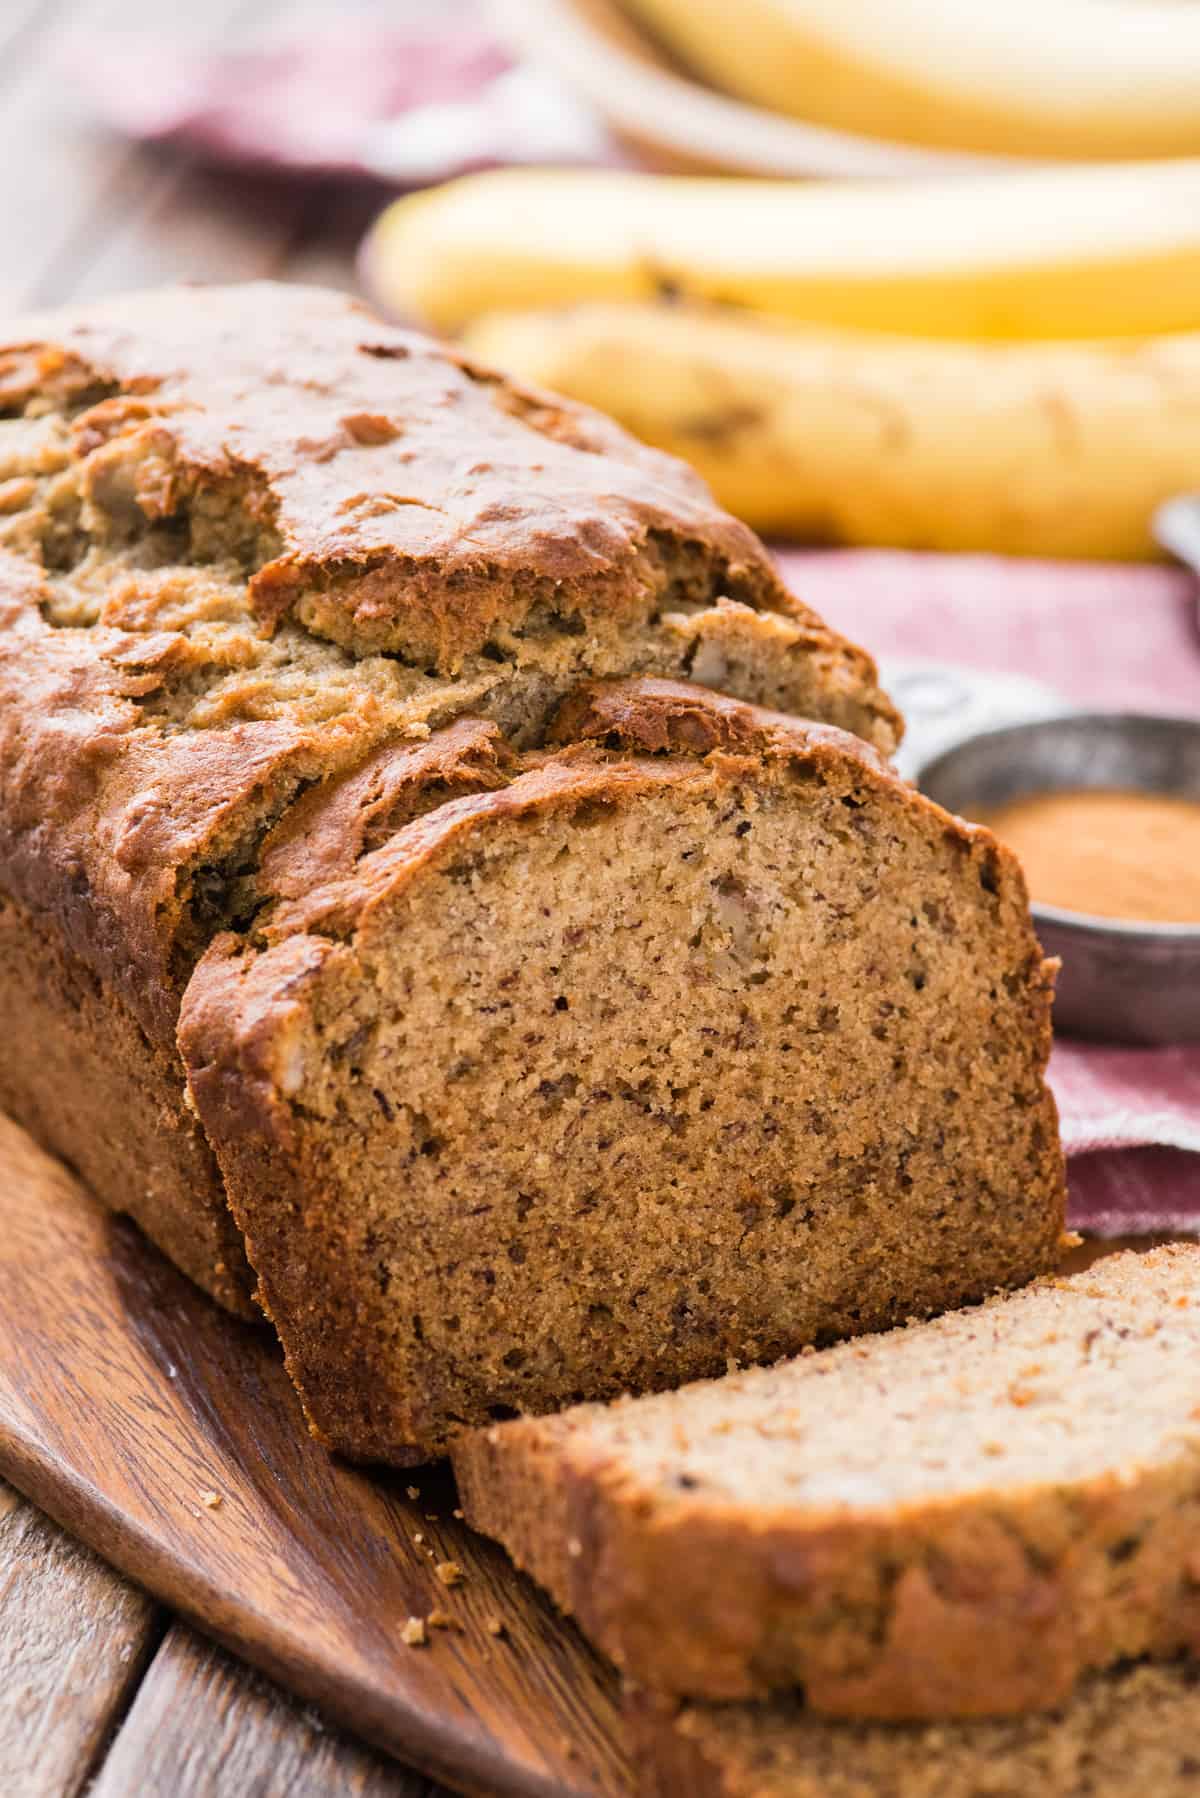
(1120, 982)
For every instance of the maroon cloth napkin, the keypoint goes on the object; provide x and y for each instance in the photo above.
(1105, 636)
(406, 104)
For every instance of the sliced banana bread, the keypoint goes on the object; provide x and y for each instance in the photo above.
(249, 537)
(1131, 1733)
(957, 1518)
(637, 1063)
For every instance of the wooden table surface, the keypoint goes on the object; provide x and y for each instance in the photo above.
(100, 1688)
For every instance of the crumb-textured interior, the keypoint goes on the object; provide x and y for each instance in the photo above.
(960, 1518)
(1026, 1393)
(1133, 1733)
(621, 1091)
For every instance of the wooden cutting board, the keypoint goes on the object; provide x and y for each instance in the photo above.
(126, 1397)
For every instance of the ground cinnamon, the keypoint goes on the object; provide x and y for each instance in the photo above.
(1125, 855)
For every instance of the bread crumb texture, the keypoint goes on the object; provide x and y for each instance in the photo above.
(1132, 1733)
(700, 1036)
(439, 1619)
(844, 1522)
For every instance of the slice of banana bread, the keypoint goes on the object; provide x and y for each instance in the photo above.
(249, 538)
(957, 1518)
(637, 1063)
(1131, 1733)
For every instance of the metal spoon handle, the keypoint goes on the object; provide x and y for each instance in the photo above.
(1177, 528)
(942, 704)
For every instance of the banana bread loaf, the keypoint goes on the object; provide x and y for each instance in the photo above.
(1131, 1733)
(703, 1036)
(251, 539)
(958, 1518)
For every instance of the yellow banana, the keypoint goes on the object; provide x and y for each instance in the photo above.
(1093, 251)
(1068, 78)
(1054, 449)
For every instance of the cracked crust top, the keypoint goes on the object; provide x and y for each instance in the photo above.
(397, 495)
(249, 535)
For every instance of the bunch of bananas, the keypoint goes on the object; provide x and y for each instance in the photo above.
(1001, 361)
(1072, 78)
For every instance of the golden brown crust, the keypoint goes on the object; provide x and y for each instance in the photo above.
(325, 870)
(97, 1092)
(246, 414)
(328, 832)
(660, 716)
(644, 714)
(412, 500)
(633, 716)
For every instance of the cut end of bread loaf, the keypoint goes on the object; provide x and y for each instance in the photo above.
(595, 1079)
(957, 1518)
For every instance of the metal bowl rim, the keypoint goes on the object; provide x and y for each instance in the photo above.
(1126, 930)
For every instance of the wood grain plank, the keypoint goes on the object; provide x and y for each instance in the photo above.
(202, 1726)
(74, 1637)
(192, 223)
(189, 225)
(84, 214)
(68, 187)
(22, 23)
(126, 1396)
